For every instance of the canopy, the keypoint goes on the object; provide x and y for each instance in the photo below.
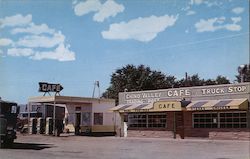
(158, 106)
(241, 104)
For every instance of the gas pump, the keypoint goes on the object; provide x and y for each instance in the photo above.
(49, 126)
(41, 125)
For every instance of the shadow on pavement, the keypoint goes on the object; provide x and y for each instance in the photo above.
(30, 146)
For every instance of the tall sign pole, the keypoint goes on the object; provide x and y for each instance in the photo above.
(54, 116)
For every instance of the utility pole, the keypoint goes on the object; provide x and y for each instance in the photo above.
(96, 84)
(242, 69)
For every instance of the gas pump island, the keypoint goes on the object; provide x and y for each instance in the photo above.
(51, 121)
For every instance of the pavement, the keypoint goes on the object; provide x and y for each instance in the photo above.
(71, 147)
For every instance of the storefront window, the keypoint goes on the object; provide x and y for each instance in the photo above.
(205, 120)
(157, 120)
(233, 120)
(147, 120)
(137, 120)
(98, 118)
(220, 120)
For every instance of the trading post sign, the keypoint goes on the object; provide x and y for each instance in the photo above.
(49, 87)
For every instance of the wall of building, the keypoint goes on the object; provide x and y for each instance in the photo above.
(110, 120)
(184, 129)
(214, 133)
(108, 116)
(183, 119)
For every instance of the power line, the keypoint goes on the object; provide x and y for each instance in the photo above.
(203, 41)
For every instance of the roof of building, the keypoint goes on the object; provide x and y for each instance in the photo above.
(67, 99)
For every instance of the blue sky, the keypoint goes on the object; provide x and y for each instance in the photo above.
(75, 43)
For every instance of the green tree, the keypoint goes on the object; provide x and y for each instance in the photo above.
(132, 78)
(190, 81)
(243, 74)
(222, 80)
(210, 82)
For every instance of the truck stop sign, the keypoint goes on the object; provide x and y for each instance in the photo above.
(49, 87)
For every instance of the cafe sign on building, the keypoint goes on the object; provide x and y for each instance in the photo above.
(180, 93)
(167, 106)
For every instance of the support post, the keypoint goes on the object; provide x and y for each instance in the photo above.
(54, 117)
(174, 125)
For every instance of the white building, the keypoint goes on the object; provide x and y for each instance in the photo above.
(82, 115)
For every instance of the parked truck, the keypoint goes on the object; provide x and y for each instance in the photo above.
(8, 119)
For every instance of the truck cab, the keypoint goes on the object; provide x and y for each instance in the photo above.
(8, 119)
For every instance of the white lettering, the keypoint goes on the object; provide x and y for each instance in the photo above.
(44, 87)
(151, 95)
(237, 89)
(176, 93)
(181, 92)
(212, 91)
(187, 92)
(133, 96)
(170, 93)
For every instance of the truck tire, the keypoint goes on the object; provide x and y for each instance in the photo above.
(8, 143)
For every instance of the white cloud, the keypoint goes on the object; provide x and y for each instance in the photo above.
(86, 7)
(214, 24)
(141, 29)
(208, 3)
(5, 42)
(236, 19)
(61, 53)
(20, 52)
(190, 12)
(197, 2)
(102, 11)
(238, 10)
(232, 27)
(74, 2)
(33, 39)
(41, 41)
(16, 20)
(34, 29)
(215, 3)
(109, 8)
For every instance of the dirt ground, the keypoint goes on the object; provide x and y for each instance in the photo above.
(70, 147)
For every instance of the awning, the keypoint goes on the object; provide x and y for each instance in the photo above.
(223, 104)
(131, 107)
(159, 106)
(120, 107)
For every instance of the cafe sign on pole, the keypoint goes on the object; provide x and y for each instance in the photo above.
(49, 87)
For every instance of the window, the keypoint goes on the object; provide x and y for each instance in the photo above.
(233, 120)
(137, 120)
(86, 118)
(157, 121)
(147, 120)
(98, 118)
(205, 120)
(220, 120)
(77, 108)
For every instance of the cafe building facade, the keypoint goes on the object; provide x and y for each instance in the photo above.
(215, 112)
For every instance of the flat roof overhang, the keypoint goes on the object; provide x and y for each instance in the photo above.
(66, 99)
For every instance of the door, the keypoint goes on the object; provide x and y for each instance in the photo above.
(77, 123)
(179, 124)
